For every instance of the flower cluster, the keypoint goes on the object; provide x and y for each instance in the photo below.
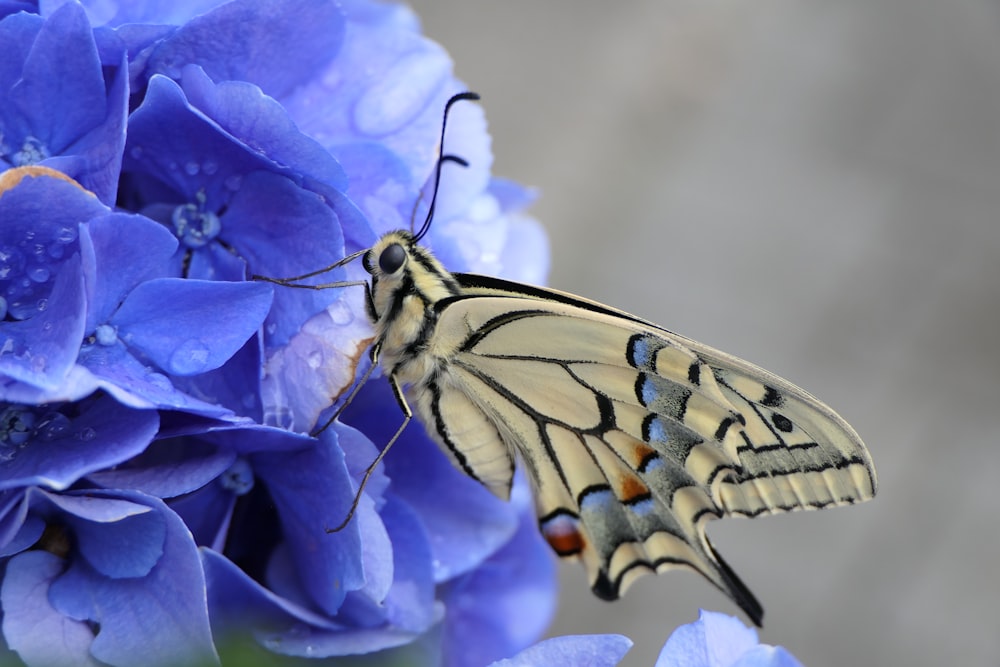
(160, 501)
(159, 494)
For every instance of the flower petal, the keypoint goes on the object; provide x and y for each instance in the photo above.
(576, 650)
(191, 326)
(32, 627)
(149, 616)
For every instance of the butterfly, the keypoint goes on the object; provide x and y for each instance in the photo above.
(633, 437)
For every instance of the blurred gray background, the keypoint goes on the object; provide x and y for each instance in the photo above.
(813, 186)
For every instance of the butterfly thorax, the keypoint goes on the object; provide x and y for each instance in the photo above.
(407, 283)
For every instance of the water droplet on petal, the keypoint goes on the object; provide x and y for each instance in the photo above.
(189, 358)
(315, 359)
(53, 425)
(160, 381)
(86, 433)
(39, 274)
(42, 305)
(192, 168)
(66, 234)
(105, 334)
(209, 168)
(340, 313)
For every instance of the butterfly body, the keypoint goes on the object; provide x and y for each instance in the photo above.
(633, 437)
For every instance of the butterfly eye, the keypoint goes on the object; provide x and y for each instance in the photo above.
(392, 258)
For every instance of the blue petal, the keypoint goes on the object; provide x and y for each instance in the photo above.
(118, 241)
(170, 600)
(576, 650)
(168, 468)
(767, 656)
(261, 122)
(282, 230)
(714, 640)
(104, 434)
(191, 326)
(250, 41)
(40, 350)
(312, 492)
(32, 627)
(62, 97)
(113, 369)
(519, 581)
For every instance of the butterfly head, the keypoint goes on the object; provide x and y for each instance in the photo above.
(405, 276)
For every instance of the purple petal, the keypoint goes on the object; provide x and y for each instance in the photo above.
(31, 625)
(576, 650)
(191, 326)
(162, 616)
(249, 41)
(103, 434)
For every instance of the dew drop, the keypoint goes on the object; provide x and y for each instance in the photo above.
(209, 168)
(39, 274)
(315, 360)
(53, 425)
(160, 381)
(66, 235)
(86, 434)
(106, 334)
(56, 250)
(42, 305)
(340, 313)
(191, 357)
(192, 168)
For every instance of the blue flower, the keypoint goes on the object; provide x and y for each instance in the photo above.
(719, 640)
(59, 112)
(157, 490)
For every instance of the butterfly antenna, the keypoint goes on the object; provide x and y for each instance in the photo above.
(468, 95)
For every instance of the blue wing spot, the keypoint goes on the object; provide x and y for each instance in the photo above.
(654, 430)
(645, 506)
(595, 498)
(645, 390)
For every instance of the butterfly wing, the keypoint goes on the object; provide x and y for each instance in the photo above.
(633, 437)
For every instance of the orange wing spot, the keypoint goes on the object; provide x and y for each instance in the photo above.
(563, 536)
(641, 452)
(633, 490)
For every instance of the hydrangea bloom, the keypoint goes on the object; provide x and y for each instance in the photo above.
(159, 494)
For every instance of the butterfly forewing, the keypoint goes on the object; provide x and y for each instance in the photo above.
(633, 437)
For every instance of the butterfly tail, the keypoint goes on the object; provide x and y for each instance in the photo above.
(731, 585)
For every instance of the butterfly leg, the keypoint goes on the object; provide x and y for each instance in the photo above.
(408, 415)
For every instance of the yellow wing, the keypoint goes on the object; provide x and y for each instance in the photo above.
(633, 437)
